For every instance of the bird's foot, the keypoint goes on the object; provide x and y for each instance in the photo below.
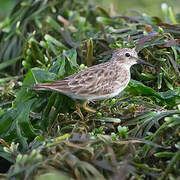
(79, 111)
(87, 108)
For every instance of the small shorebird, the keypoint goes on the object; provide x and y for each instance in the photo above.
(97, 82)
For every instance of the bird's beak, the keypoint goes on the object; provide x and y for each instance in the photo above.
(144, 62)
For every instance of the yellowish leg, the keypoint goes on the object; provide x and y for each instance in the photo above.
(79, 111)
(87, 108)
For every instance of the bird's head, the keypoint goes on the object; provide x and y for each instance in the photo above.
(127, 56)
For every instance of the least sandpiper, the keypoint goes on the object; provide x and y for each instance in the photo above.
(98, 82)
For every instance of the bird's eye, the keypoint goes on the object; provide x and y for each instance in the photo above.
(127, 55)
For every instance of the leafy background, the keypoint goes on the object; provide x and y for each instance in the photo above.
(135, 135)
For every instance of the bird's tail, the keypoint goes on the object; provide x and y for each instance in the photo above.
(43, 86)
(58, 86)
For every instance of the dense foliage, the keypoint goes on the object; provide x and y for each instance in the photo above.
(135, 135)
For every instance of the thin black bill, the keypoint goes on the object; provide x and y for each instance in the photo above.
(144, 62)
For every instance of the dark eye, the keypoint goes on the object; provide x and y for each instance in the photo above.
(127, 55)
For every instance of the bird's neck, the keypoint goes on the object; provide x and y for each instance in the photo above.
(124, 65)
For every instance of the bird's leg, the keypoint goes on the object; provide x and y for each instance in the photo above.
(84, 107)
(79, 111)
(87, 108)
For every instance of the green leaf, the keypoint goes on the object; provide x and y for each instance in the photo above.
(51, 39)
(9, 62)
(169, 85)
(169, 98)
(164, 154)
(17, 121)
(172, 16)
(35, 75)
(53, 23)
